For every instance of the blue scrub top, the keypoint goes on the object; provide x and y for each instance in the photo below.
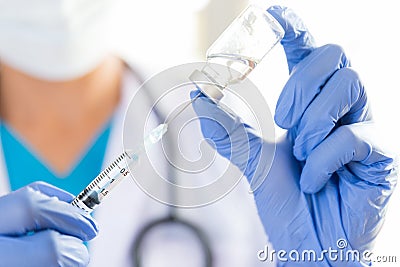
(25, 167)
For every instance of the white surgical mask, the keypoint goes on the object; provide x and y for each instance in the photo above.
(54, 39)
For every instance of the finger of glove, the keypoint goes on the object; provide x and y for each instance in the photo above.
(216, 124)
(297, 42)
(342, 99)
(306, 82)
(27, 210)
(45, 248)
(52, 191)
(231, 138)
(380, 167)
(338, 149)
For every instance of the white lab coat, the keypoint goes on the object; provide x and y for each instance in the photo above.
(231, 224)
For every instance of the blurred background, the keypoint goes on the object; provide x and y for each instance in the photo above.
(160, 34)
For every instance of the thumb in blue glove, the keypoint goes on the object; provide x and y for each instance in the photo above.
(40, 227)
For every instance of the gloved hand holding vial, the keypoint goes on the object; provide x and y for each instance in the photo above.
(330, 182)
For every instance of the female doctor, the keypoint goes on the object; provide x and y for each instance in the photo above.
(63, 99)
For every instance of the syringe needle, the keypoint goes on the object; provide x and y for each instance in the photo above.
(120, 168)
(99, 188)
(169, 120)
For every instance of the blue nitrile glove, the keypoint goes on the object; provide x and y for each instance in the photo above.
(39, 227)
(281, 205)
(334, 190)
(325, 108)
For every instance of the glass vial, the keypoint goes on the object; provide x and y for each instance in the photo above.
(239, 49)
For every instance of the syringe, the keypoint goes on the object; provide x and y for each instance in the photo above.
(101, 186)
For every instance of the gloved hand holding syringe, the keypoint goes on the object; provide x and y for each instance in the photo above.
(237, 51)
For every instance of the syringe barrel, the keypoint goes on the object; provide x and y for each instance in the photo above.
(101, 186)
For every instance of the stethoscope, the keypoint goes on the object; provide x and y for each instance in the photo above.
(172, 218)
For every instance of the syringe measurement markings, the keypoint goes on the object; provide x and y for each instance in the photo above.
(101, 176)
(89, 198)
(125, 153)
(98, 186)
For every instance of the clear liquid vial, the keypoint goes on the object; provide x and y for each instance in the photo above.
(239, 49)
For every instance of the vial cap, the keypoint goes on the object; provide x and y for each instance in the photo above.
(207, 86)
